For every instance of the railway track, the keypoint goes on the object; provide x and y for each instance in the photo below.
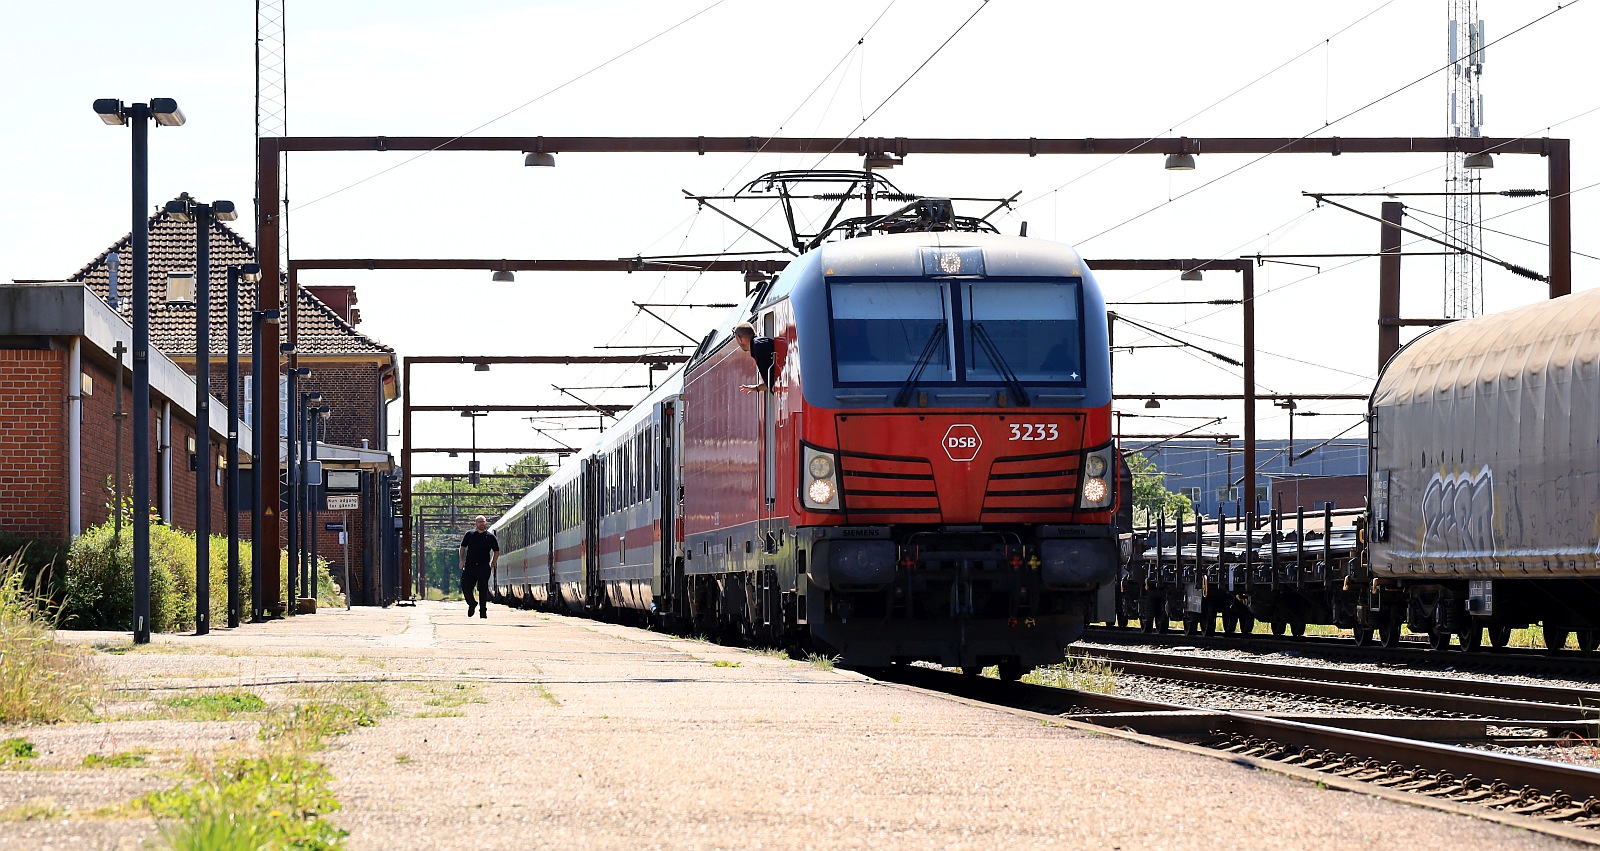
(1417, 759)
(1421, 693)
(1412, 653)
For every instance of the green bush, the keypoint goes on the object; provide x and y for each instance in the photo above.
(38, 557)
(97, 591)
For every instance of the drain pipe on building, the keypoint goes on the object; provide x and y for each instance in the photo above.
(75, 438)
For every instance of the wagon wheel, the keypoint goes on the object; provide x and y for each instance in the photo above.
(1471, 639)
(1588, 639)
(1555, 638)
(1297, 628)
(1278, 628)
(971, 670)
(1208, 625)
(1438, 639)
(1363, 636)
(1161, 621)
(1230, 623)
(1247, 624)
(1147, 624)
(1389, 633)
(1011, 670)
(1499, 636)
(1191, 624)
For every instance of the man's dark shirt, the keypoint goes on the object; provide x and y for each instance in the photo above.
(764, 351)
(478, 545)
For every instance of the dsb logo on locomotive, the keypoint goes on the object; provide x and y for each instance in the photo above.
(962, 442)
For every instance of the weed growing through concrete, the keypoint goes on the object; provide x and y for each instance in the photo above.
(214, 706)
(820, 662)
(724, 663)
(458, 695)
(15, 751)
(402, 759)
(770, 652)
(121, 759)
(1081, 674)
(43, 809)
(439, 713)
(545, 694)
(277, 799)
(42, 680)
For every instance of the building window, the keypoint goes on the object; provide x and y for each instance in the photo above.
(1192, 493)
(1227, 495)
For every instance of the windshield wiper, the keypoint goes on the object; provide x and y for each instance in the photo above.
(1000, 364)
(935, 340)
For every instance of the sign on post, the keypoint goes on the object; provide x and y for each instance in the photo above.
(344, 501)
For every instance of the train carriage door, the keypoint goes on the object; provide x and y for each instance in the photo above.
(666, 495)
(591, 496)
(769, 440)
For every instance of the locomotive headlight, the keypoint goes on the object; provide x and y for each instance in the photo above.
(1095, 490)
(821, 466)
(1095, 466)
(821, 493)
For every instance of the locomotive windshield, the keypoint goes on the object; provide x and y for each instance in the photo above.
(1034, 327)
(881, 328)
(1029, 329)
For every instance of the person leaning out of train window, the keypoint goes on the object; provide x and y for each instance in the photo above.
(763, 350)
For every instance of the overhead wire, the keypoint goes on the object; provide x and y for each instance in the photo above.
(1220, 101)
(508, 113)
(1326, 124)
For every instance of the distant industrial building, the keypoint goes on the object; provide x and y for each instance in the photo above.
(1211, 474)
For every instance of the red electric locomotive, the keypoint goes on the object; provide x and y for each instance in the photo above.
(931, 475)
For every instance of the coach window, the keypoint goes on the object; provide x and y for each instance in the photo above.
(1032, 326)
(881, 329)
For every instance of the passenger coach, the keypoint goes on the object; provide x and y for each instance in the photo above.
(931, 477)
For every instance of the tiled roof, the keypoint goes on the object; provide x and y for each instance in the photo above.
(172, 326)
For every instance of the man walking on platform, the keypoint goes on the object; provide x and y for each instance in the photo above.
(480, 553)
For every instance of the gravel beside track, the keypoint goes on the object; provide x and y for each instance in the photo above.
(575, 734)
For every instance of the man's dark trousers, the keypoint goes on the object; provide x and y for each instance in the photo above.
(476, 579)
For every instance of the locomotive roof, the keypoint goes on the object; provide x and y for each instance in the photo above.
(1555, 341)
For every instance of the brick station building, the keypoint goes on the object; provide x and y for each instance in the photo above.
(60, 443)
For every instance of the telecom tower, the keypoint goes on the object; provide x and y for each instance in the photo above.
(272, 103)
(1463, 272)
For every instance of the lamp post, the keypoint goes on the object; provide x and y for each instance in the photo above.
(295, 373)
(304, 521)
(472, 465)
(258, 504)
(248, 272)
(165, 113)
(185, 209)
(319, 419)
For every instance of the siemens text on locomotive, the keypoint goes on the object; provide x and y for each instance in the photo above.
(931, 476)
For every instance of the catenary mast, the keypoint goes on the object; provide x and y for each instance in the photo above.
(1463, 272)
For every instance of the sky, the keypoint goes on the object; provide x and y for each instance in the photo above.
(914, 68)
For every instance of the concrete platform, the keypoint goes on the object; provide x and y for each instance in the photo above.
(566, 733)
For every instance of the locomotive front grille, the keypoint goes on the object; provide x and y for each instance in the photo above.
(883, 485)
(1031, 485)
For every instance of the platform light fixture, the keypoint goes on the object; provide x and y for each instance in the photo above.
(1480, 160)
(480, 366)
(136, 116)
(503, 276)
(1180, 162)
(1152, 403)
(539, 159)
(1192, 275)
